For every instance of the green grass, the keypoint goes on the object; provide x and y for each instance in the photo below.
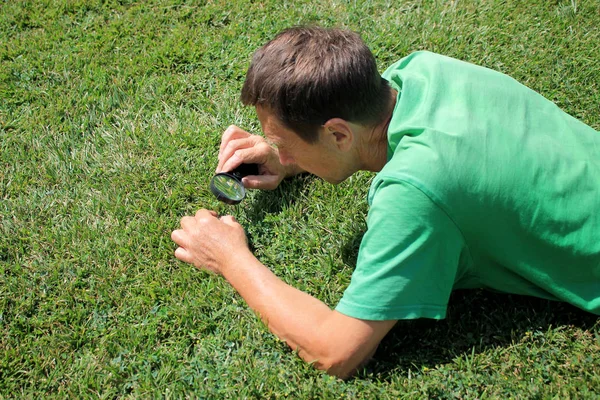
(110, 118)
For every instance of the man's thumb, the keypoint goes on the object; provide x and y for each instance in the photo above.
(265, 182)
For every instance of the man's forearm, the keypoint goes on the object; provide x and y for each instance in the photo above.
(292, 315)
(328, 339)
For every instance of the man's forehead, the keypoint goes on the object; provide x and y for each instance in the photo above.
(266, 116)
(273, 129)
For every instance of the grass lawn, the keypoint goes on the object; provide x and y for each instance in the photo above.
(111, 113)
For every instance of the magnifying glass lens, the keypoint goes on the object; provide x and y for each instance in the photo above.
(228, 187)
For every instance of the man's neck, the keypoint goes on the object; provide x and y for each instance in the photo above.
(374, 149)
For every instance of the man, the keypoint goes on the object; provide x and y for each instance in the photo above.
(481, 183)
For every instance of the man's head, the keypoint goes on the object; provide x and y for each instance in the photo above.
(308, 75)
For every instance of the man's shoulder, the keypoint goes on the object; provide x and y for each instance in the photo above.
(413, 58)
(420, 59)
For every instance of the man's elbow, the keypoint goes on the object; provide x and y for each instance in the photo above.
(341, 371)
(341, 366)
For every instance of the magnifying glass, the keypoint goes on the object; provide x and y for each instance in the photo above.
(228, 187)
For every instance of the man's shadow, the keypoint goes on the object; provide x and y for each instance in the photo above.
(476, 320)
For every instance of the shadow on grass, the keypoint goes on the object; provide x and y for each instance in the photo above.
(266, 202)
(273, 201)
(349, 251)
(477, 320)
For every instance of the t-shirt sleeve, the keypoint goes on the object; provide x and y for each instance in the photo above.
(408, 258)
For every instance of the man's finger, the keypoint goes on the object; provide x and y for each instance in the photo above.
(231, 133)
(205, 213)
(179, 237)
(252, 155)
(187, 222)
(232, 148)
(229, 220)
(264, 182)
(183, 255)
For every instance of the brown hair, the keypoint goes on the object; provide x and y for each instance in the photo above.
(307, 75)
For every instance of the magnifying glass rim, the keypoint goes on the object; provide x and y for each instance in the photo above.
(219, 194)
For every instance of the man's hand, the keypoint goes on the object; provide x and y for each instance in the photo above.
(240, 147)
(209, 242)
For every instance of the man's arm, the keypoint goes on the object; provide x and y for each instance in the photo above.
(330, 340)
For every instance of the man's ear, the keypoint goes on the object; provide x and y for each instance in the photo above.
(339, 132)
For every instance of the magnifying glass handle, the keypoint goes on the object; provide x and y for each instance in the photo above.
(245, 170)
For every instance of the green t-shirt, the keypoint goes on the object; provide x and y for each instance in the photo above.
(488, 184)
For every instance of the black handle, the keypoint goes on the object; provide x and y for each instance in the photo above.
(244, 170)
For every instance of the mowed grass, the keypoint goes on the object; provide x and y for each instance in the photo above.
(110, 119)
